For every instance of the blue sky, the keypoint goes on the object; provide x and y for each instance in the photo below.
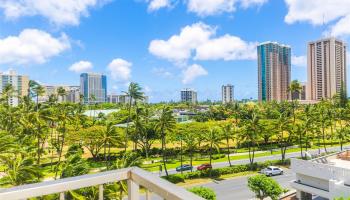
(165, 45)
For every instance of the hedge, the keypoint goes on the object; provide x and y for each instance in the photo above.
(214, 173)
(205, 193)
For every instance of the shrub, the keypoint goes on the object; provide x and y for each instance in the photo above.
(204, 192)
(175, 178)
(264, 187)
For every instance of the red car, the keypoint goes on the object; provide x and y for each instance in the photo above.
(204, 167)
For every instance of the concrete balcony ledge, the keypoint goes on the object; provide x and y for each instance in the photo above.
(135, 177)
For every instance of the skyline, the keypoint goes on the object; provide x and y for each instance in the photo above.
(136, 41)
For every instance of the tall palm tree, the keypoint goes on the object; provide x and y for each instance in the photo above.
(165, 123)
(213, 138)
(251, 125)
(227, 130)
(61, 92)
(135, 94)
(39, 91)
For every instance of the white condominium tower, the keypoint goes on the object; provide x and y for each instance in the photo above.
(274, 71)
(326, 68)
(227, 93)
(189, 95)
(19, 85)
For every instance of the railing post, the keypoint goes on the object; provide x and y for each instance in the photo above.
(62, 196)
(148, 194)
(133, 190)
(100, 192)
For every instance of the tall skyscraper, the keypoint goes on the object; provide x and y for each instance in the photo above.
(189, 95)
(93, 87)
(326, 68)
(227, 92)
(274, 71)
(19, 84)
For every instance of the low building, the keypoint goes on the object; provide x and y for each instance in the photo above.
(72, 93)
(122, 99)
(327, 177)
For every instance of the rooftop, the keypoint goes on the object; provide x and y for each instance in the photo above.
(341, 159)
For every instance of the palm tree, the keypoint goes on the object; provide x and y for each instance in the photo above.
(228, 134)
(213, 138)
(111, 137)
(135, 94)
(251, 124)
(165, 123)
(295, 87)
(190, 141)
(39, 91)
(61, 92)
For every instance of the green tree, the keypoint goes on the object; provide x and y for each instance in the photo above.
(264, 187)
(165, 124)
(135, 94)
(228, 134)
(213, 139)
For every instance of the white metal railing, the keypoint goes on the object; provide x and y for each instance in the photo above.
(134, 176)
(320, 170)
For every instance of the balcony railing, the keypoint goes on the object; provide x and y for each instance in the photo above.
(134, 176)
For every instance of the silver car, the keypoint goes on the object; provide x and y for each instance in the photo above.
(272, 170)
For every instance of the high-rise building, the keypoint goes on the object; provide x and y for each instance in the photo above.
(19, 84)
(274, 71)
(93, 87)
(227, 92)
(326, 68)
(189, 95)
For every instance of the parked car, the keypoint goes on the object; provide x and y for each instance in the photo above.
(204, 166)
(272, 170)
(184, 168)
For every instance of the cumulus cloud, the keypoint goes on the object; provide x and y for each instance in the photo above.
(120, 70)
(81, 66)
(31, 46)
(319, 12)
(192, 72)
(60, 12)
(226, 47)
(158, 4)
(300, 61)
(180, 47)
(214, 7)
(199, 41)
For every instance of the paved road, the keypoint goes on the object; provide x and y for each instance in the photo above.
(259, 159)
(237, 189)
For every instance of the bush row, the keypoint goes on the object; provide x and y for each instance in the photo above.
(214, 173)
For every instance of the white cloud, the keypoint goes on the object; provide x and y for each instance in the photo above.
(205, 8)
(319, 12)
(193, 72)
(81, 66)
(249, 3)
(210, 7)
(162, 72)
(31, 46)
(120, 70)
(199, 39)
(226, 47)
(158, 4)
(60, 12)
(300, 61)
(179, 47)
